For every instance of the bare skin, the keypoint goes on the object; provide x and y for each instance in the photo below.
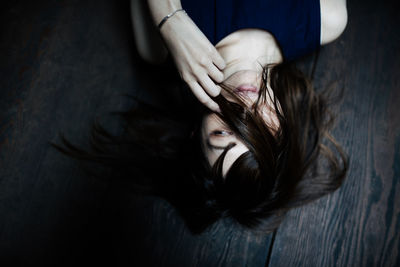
(243, 70)
(198, 62)
(235, 61)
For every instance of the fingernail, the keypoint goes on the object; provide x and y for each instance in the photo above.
(216, 93)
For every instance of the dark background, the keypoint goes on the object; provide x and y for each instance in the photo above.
(63, 63)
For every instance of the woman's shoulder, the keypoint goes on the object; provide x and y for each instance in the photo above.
(333, 19)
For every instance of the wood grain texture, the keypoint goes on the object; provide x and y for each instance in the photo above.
(60, 69)
(154, 235)
(359, 224)
(65, 63)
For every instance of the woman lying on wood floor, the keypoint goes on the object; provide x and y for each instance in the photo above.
(257, 142)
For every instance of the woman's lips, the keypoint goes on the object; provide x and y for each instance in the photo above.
(246, 89)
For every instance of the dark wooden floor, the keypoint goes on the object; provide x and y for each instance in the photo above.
(62, 63)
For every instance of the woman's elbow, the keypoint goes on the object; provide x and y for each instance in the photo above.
(333, 23)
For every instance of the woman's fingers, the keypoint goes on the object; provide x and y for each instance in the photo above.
(218, 60)
(209, 86)
(215, 73)
(201, 95)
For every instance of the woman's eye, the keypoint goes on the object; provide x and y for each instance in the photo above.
(221, 133)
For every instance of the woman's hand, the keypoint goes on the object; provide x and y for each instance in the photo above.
(198, 62)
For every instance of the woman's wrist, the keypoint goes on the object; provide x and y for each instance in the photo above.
(169, 16)
(161, 8)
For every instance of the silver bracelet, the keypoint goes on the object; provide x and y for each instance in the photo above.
(168, 16)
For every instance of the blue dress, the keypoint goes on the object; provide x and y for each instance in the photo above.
(295, 24)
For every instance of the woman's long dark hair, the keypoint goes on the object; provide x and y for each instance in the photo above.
(160, 153)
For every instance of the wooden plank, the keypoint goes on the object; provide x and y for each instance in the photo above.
(359, 224)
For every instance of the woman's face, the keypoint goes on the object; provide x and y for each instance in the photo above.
(244, 60)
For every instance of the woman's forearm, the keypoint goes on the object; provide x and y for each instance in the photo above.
(161, 8)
